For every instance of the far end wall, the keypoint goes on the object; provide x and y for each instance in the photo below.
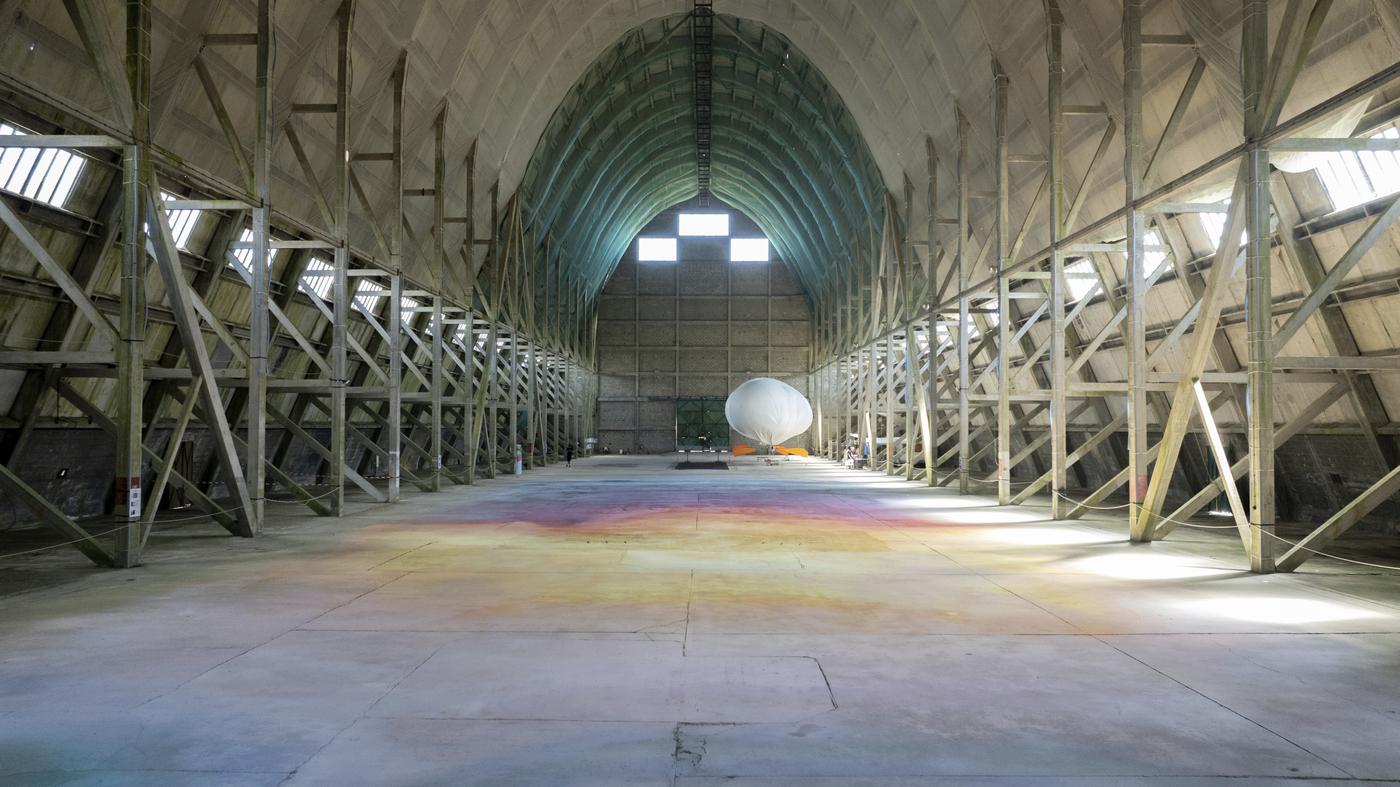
(695, 328)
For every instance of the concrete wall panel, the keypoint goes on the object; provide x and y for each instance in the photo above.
(699, 327)
(617, 333)
(704, 308)
(749, 334)
(656, 308)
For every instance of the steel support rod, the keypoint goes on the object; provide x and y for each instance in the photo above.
(964, 449)
(1059, 447)
(340, 231)
(1003, 284)
(1259, 324)
(259, 328)
(1136, 272)
(131, 327)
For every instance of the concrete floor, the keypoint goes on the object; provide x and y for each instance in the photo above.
(621, 623)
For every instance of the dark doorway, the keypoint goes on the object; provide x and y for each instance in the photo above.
(701, 425)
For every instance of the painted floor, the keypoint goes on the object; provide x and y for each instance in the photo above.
(621, 623)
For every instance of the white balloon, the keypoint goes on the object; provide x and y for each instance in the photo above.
(767, 410)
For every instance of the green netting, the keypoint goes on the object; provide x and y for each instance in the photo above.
(620, 149)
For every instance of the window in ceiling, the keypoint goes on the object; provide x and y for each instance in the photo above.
(1352, 177)
(243, 252)
(318, 277)
(1080, 278)
(406, 310)
(656, 250)
(1214, 223)
(182, 222)
(704, 225)
(1154, 252)
(368, 301)
(993, 311)
(748, 250)
(45, 175)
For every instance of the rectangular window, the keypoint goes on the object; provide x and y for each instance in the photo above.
(1353, 177)
(993, 314)
(318, 277)
(656, 249)
(748, 250)
(1080, 279)
(243, 252)
(368, 301)
(1154, 253)
(182, 222)
(1214, 223)
(46, 175)
(406, 310)
(704, 225)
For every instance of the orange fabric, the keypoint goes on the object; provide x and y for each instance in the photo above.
(743, 450)
(790, 451)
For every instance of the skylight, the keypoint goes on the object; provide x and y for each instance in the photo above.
(368, 302)
(406, 309)
(243, 252)
(748, 250)
(1080, 279)
(318, 277)
(1214, 223)
(656, 249)
(1353, 177)
(704, 225)
(46, 175)
(1154, 252)
(182, 222)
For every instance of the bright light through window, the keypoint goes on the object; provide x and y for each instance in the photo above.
(1354, 177)
(318, 277)
(748, 250)
(656, 249)
(43, 174)
(1080, 279)
(368, 302)
(706, 225)
(1214, 223)
(406, 310)
(182, 222)
(243, 252)
(1154, 252)
(990, 310)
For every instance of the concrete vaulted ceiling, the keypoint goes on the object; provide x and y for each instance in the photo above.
(621, 148)
(504, 69)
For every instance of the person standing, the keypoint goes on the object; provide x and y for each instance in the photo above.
(569, 455)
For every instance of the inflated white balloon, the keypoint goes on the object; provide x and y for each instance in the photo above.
(767, 410)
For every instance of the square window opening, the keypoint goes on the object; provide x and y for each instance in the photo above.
(704, 225)
(656, 250)
(1355, 177)
(46, 175)
(243, 252)
(749, 250)
(318, 277)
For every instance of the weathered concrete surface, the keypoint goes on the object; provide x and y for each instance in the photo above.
(619, 623)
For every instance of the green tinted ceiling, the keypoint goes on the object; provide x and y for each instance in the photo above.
(620, 149)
